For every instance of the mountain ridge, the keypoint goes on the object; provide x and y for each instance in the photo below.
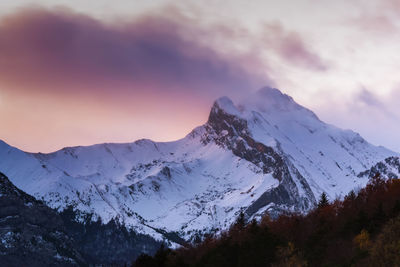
(265, 154)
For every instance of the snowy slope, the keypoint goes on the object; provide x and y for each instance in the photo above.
(265, 154)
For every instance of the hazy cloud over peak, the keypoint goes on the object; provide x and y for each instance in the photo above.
(292, 47)
(373, 101)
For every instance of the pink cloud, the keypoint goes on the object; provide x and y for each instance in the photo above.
(292, 48)
(69, 79)
(378, 17)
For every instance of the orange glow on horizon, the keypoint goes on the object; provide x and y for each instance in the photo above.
(67, 79)
(46, 123)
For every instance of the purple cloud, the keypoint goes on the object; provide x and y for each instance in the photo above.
(62, 51)
(371, 100)
(292, 48)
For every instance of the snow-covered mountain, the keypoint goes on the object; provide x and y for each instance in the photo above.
(265, 154)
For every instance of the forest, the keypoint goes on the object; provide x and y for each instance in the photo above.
(361, 229)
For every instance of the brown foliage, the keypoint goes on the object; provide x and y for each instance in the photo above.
(289, 256)
(355, 231)
(386, 249)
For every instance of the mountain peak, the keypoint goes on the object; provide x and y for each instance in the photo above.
(272, 93)
(225, 103)
(270, 99)
(265, 100)
(269, 91)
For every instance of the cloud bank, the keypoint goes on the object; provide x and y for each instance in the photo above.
(70, 79)
(61, 51)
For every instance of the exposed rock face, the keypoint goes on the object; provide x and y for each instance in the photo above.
(32, 234)
(388, 168)
(232, 132)
(110, 243)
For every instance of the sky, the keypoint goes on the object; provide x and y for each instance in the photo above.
(84, 72)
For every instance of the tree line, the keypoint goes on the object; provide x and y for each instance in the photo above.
(363, 229)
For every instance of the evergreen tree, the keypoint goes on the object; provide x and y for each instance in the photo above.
(351, 196)
(240, 222)
(323, 201)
